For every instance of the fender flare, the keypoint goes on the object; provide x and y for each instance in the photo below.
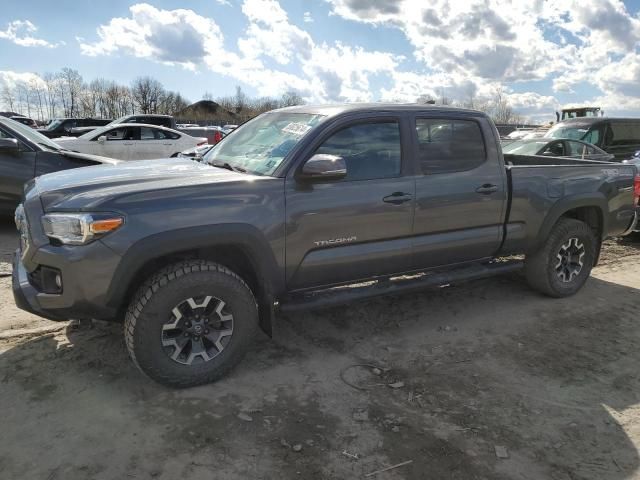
(247, 237)
(566, 204)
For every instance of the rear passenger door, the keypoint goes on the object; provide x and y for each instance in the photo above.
(461, 191)
(357, 227)
(154, 143)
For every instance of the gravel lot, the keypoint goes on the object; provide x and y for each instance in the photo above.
(476, 367)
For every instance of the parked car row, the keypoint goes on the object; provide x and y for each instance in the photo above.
(132, 141)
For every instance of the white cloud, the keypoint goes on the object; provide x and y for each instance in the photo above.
(11, 79)
(464, 50)
(226, 3)
(270, 33)
(491, 39)
(342, 73)
(19, 32)
(179, 37)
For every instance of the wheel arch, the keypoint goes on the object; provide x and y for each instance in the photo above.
(587, 208)
(241, 248)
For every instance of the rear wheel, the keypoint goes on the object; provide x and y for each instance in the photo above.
(190, 323)
(561, 267)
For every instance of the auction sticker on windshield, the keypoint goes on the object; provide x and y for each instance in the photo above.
(297, 129)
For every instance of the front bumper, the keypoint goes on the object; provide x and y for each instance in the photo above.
(86, 274)
(24, 294)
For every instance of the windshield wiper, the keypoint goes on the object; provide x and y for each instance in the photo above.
(228, 167)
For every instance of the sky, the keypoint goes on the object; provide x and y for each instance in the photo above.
(542, 55)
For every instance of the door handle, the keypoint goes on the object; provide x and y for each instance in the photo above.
(128, 143)
(167, 144)
(487, 189)
(398, 198)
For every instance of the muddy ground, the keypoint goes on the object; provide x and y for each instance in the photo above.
(476, 367)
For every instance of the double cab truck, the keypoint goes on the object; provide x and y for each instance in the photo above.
(292, 207)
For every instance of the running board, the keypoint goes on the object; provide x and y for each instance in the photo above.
(399, 284)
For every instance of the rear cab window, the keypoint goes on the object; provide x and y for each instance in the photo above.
(449, 145)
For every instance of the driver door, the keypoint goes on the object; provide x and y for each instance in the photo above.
(118, 144)
(357, 227)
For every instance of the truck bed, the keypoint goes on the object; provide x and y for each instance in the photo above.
(541, 186)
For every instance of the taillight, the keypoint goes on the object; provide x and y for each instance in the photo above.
(636, 190)
(217, 136)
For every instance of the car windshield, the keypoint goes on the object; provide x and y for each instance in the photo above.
(32, 135)
(53, 124)
(96, 132)
(124, 119)
(573, 132)
(523, 148)
(260, 145)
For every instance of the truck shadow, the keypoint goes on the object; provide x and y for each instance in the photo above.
(483, 365)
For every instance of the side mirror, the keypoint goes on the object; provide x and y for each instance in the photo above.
(102, 138)
(323, 167)
(9, 145)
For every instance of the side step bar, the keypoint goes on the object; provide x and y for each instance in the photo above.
(350, 293)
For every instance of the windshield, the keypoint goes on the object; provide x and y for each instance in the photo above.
(53, 124)
(573, 132)
(120, 120)
(261, 144)
(95, 133)
(32, 135)
(523, 148)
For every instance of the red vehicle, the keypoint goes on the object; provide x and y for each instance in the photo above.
(212, 134)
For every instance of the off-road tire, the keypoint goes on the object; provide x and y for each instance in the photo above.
(152, 305)
(540, 267)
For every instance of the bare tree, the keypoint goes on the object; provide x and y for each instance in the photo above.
(8, 97)
(240, 100)
(147, 93)
(70, 90)
(425, 99)
(50, 82)
(291, 98)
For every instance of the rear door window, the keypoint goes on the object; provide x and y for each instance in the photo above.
(624, 133)
(577, 149)
(448, 145)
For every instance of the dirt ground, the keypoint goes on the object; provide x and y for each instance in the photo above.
(481, 371)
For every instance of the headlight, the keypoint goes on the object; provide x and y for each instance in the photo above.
(79, 228)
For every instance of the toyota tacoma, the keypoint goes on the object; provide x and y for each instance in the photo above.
(292, 207)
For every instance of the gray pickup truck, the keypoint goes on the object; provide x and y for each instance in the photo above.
(292, 207)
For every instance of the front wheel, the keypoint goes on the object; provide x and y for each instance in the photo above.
(561, 267)
(190, 323)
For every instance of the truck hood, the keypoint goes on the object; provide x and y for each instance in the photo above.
(87, 188)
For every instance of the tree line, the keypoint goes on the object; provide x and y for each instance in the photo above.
(497, 107)
(66, 94)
